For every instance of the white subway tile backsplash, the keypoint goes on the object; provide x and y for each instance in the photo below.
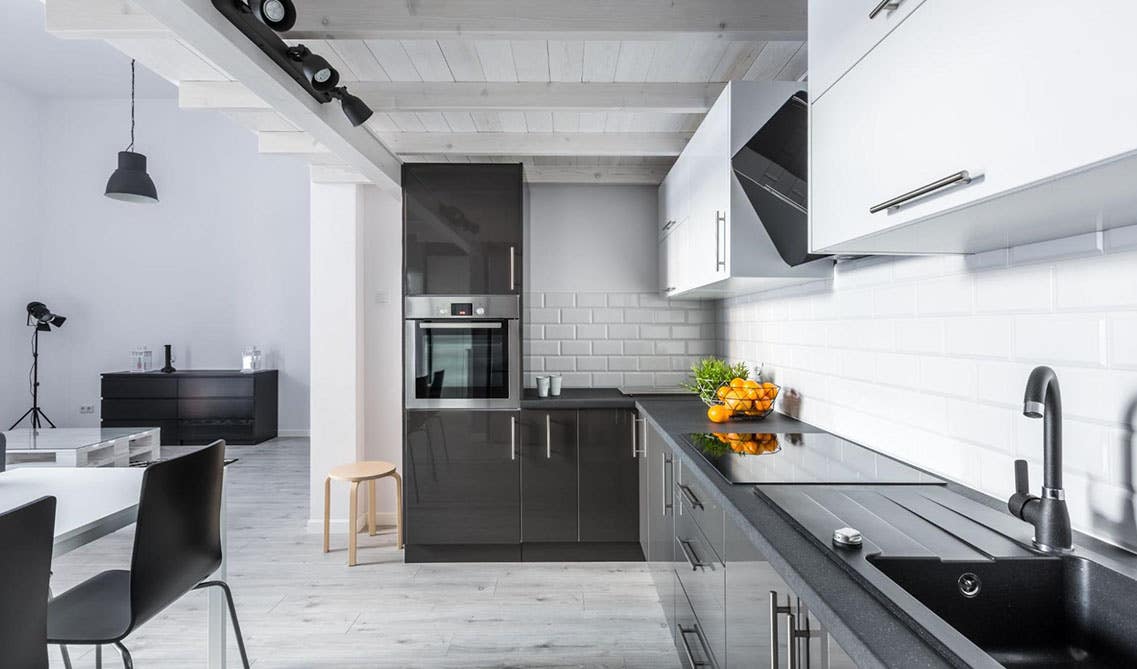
(1059, 339)
(608, 315)
(560, 332)
(623, 331)
(559, 300)
(576, 315)
(576, 347)
(608, 347)
(592, 364)
(624, 364)
(592, 331)
(591, 300)
(946, 296)
(677, 347)
(659, 332)
(639, 347)
(538, 347)
(1123, 341)
(1014, 290)
(655, 364)
(1109, 281)
(623, 300)
(979, 336)
(543, 315)
(560, 364)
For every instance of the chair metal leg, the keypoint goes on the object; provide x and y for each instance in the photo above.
(127, 660)
(66, 656)
(232, 615)
(98, 657)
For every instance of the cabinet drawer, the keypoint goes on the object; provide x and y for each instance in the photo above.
(206, 431)
(694, 648)
(694, 502)
(841, 32)
(139, 410)
(140, 386)
(926, 104)
(213, 386)
(215, 408)
(702, 576)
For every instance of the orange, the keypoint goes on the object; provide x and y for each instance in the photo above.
(751, 383)
(737, 382)
(718, 414)
(737, 404)
(722, 392)
(752, 394)
(751, 447)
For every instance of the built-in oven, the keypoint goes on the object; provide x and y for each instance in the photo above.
(463, 352)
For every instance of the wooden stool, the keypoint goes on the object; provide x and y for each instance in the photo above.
(356, 473)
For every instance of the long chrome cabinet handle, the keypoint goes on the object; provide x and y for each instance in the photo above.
(883, 5)
(683, 632)
(960, 177)
(512, 437)
(548, 437)
(667, 226)
(689, 554)
(720, 240)
(691, 499)
(775, 611)
(666, 489)
(512, 267)
(636, 450)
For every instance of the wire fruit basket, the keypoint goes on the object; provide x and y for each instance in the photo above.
(752, 400)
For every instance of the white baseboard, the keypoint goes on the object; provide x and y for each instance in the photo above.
(293, 433)
(339, 525)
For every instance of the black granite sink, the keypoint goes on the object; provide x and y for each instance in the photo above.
(1028, 612)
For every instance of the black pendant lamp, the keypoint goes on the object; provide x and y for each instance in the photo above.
(130, 182)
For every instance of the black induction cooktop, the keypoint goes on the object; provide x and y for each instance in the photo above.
(815, 457)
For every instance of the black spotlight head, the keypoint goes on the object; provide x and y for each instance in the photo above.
(356, 110)
(280, 15)
(42, 317)
(322, 76)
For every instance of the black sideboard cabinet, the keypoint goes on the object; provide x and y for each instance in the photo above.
(194, 406)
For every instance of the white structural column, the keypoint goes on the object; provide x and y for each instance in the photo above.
(337, 338)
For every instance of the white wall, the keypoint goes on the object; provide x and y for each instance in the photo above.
(593, 309)
(21, 218)
(927, 359)
(219, 263)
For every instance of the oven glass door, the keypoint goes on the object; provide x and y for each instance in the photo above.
(460, 362)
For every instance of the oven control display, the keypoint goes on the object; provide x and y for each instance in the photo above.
(461, 309)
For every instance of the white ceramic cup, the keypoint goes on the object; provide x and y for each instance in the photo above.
(555, 384)
(542, 386)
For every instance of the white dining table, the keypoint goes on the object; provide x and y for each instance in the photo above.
(94, 502)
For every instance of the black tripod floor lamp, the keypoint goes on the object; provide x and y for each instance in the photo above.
(42, 318)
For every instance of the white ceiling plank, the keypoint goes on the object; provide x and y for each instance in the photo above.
(772, 60)
(551, 19)
(407, 121)
(101, 19)
(382, 122)
(199, 23)
(584, 174)
(394, 60)
(260, 120)
(592, 121)
(360, 59)
(600, 61)
(169, 59)
(487, 121)
(796, 66)
(736, 61)
(325, 49)
(539, 121)
(554, 144)
(459, 121)
(462, 58)
(218, 95)
(634, 62)
(433, 121)
(618, 121)
(566, 122)
(513, 121)
(497, 60)
(531, 59)
(566, 60)
(427, 58)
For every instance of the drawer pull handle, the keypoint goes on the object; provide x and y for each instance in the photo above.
(961, 177)
(683, 632)
(666, 497)
(689, 554)
(691, 499)
(883, 5)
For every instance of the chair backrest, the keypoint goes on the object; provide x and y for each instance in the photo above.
(26, 537)
(177, 537)
(3, 451)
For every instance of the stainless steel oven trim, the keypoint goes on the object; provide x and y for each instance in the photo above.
(437, 307)
(512, 402)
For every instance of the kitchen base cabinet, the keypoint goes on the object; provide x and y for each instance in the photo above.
(462, 479)
(702, 577)
(609, 475)
(549, 488)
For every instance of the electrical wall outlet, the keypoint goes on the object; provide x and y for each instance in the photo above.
(87, 408)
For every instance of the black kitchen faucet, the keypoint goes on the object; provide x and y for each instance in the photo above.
(1047, 513)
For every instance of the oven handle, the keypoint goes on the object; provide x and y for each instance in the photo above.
(460, 326)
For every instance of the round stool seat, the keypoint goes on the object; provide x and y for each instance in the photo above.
(361, 471)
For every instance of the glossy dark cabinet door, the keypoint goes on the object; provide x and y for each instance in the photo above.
(609, 476)
(463, 229)
(549, 476)
(462, 477)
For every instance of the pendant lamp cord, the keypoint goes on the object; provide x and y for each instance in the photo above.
(131, 147)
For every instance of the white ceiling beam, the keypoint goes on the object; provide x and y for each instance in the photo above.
(675, 98)
(612, 175)
(728, 20)
(335, 174)
(495, 143)
(199, 24)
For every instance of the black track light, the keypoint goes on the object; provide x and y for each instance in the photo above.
(280, 15)
(354, 109)
(320, 75)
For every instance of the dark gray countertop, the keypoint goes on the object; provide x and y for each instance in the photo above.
(578, 398)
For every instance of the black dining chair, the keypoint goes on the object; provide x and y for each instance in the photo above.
(177, 545)
(26, 537)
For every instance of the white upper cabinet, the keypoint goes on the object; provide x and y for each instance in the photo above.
(846, 31)
(714, 244)
(977, 125)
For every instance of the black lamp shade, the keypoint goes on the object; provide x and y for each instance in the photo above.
(130, 182)
(356, 110)
(320, 74)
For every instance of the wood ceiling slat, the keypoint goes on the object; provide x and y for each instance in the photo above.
(600, 61)
(566, 122)
(463, 60)
(796, 66)
(539, 121)
(433, 121)
(360, 59)
(566, 60)
(531, 59)
(592, 121)
(381, 122)
(487, 121)
(427, 58)
(393, 59)
(407, 121)
(736, 60)
(324, 48)
(618, 121)
(634, 61)
(513, 121)
(497, 60)
(772, 60)
(460, 121)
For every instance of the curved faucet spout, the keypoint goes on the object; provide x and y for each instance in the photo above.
(1043, 399)
(1047, 513)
